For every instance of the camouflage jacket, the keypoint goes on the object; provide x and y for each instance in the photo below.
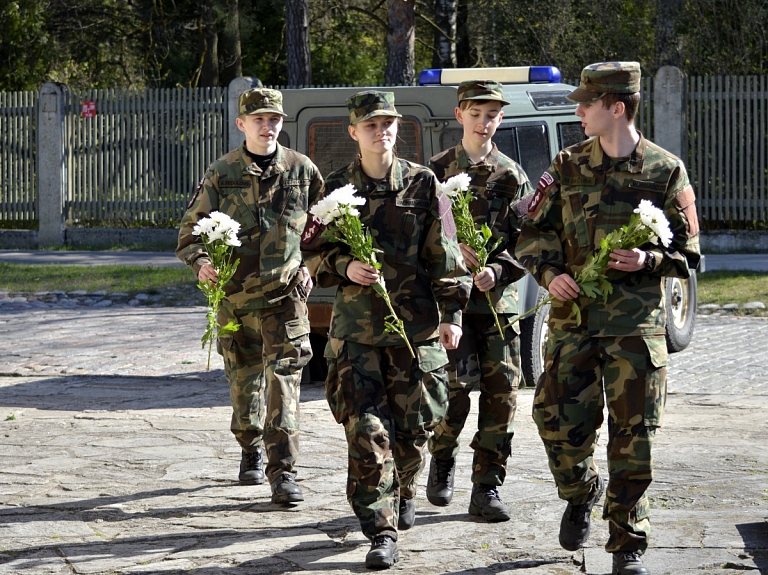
(411, 223)
(498, 185)
(271, 207)
(582, 197)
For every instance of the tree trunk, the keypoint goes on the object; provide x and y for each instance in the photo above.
(400, 42)
(209, 67)
(463, 48)
(297, 42)
(231, 54)
(667, 50)
(445, 37)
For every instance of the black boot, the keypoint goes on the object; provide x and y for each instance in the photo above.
(383, 553)
(440, 481)
(252, 468)
(285, 490)
(628, 563)
(574, 526)
(407, 516)
(487, 503)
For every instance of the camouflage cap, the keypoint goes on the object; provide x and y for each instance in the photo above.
(606, 78)
(368, 104)
(260, 101)
(481, 90)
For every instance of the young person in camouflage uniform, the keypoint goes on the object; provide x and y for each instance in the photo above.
(386, 400)
(484, 358)
(267, 189)
(617, 357)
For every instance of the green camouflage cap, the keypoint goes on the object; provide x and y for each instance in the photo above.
(364, 105)
(260, 101)
(606, 78)
(482, 90)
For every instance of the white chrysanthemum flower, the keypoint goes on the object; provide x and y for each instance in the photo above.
(654, 219)
(218, 226)
(329, 208)
(456, 184)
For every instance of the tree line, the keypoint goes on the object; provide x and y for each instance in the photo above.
(185, 43)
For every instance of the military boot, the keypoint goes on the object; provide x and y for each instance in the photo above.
(440, 481)
(407, 516)
(574, 526)
(285, 490)
(252, 468)
(383, 553)
(628, 563)
(486, 503)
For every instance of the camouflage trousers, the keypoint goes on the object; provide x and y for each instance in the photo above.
(486, 360)
(263, 361)
(582, 376)
(387, 402)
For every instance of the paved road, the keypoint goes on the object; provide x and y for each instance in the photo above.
(115, 458)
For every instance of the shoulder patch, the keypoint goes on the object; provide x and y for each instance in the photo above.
(196, 192)
(685, 201)
(521, 208)
(546, 181)
(446, 216)
(312, 232)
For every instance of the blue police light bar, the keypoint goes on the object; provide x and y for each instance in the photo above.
(511, 75)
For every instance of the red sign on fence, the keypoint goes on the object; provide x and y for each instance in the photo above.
(88, 110)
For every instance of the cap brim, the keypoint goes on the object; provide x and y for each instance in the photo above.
(485, 99)
(265, 111)
(378, 113)
(582, 96)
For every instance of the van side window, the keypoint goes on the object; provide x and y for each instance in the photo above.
(330, 147)
(527, 144)
(569, 133)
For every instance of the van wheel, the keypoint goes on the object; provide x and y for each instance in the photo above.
(680, 302)
(533, 341)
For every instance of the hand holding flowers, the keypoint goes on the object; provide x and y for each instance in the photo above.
(457, 189)
(337, 212)
(219, 235)
(648, 224)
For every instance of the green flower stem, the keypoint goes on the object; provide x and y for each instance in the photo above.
(393, 324)
(220, 255)
(495, 315)
(349, 230)
(475, 239)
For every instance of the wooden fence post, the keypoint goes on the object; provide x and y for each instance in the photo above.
(670, 127)
(51, 165)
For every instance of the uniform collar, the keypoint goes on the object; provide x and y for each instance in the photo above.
(599, 161)
(277, 165)
(393, 181)
(463, 162)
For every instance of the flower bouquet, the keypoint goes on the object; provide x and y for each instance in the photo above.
(457, 188)
(219, 235)
(337, 212)
(647, 224)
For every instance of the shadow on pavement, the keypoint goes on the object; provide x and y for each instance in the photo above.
(110, 393)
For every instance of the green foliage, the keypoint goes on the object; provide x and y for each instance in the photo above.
(23, 46)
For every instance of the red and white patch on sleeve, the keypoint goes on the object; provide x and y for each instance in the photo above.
(545, 182)
(311, 231)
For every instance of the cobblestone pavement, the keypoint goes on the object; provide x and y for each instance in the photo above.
(117, 459)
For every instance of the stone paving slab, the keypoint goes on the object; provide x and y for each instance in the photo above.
(116, 458)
